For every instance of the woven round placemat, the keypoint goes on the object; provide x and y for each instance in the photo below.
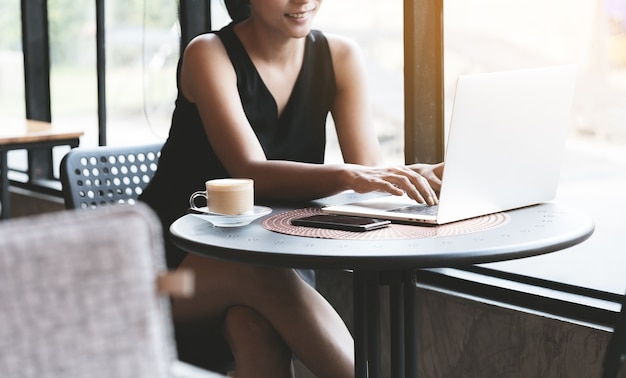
(281, 223)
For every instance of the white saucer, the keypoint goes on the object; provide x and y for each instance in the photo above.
(221, 220)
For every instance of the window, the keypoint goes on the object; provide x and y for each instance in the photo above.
(11, 61)
(73, 83)
(490, 35)
(142, 53)
(12, 95)
(141, 45)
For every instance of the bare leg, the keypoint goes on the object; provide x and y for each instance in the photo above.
(258, 350)
(302, 317)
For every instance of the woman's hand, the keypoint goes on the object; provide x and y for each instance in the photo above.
(420, 182)
(431, 172)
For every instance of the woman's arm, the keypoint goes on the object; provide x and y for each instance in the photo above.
(356, 133)
(352, 109)
(208, 79)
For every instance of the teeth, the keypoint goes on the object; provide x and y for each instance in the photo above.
(300, 14)
(297, 15)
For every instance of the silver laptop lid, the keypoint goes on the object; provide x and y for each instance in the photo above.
(506, 141)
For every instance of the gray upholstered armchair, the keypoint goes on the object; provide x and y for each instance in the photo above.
(80, 296)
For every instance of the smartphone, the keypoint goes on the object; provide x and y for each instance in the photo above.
(341, 222)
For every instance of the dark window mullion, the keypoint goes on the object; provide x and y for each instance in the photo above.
(195, 18)
(35, 45)
(36, 48)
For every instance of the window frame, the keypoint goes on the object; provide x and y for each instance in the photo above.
(423, 81)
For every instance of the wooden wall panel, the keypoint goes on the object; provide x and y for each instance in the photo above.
(463, 337)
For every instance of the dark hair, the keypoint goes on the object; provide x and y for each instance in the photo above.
(238, 10)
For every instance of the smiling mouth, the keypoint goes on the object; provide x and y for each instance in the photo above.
(300, 14)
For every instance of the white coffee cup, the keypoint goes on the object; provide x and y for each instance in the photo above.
(229, 196)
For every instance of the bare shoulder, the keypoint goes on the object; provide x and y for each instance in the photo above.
(205, 62)
(204, 46)
(342, 48)
(348, 60)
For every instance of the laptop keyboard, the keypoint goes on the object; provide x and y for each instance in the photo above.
(417, 209)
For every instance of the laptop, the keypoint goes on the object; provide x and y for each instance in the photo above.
(504, 148)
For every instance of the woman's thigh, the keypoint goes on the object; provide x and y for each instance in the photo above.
(222, 284)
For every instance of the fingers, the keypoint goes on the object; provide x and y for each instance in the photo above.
(432, 172)
(413, 184)
(417, 182)
(436, 174)
(421, 190)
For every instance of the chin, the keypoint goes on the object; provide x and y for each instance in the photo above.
(301, 35)
(299, 32)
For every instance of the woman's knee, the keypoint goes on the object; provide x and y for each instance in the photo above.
(248, 331)
(244, 319)
(245, 322)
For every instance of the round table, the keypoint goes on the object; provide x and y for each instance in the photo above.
(530, 231)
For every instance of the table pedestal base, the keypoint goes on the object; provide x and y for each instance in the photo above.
(402, 318)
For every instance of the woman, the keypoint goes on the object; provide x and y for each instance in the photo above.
(253, 102)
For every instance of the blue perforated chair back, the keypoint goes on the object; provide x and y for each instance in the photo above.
(106, 175)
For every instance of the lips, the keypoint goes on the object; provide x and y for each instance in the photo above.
(299, 15)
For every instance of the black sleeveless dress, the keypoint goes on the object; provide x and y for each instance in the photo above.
(187, 158)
